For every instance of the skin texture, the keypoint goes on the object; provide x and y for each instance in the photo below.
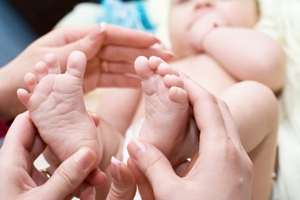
(57, 98)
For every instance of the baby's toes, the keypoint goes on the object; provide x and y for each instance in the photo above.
(164, 69)
(178, 94)
(142, 68)
(76, 64)
(30, 81)
(52, 64)
(41, 69)
(173, 80)
(154, 62)
(23, 96)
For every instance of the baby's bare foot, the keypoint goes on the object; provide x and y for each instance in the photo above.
(56, 106)
(166, 105)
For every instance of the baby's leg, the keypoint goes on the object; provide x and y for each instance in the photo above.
(166, 108)
(56, 106)
(255, 111)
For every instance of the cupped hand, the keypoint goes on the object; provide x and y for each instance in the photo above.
(110, 51)
(221, 169)
(117, 46)
(21, 180)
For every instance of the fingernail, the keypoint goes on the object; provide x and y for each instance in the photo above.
(170, 53)
(94, 35)
(136, 148)
(84, 158)
(156, 38)
(117, 168)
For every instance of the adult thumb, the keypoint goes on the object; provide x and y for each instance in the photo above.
(70, 174)
(152, 163)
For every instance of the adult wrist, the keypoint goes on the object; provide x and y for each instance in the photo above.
(10, 106)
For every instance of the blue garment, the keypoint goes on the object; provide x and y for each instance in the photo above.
(128, 14)
(15, 33)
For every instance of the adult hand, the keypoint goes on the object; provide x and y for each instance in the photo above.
(123, 185)
(110, 50)
(115, 45)
(21, 180)
(222, 170)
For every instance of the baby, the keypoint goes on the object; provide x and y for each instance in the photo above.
(215, 43)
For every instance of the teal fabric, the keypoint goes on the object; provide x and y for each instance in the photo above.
(128, 14)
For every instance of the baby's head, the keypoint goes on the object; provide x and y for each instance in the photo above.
(187, 15)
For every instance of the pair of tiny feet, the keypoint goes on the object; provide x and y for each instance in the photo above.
(56, 105)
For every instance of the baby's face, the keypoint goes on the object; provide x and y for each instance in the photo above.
(184, 14)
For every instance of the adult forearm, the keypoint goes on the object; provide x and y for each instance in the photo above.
(10, 106)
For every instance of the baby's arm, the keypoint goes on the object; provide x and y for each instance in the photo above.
(247, 55)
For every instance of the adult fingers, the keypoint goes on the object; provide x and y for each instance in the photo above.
(123, 183)
(117, 40)
(231, 128)
(128, 37)
(20, 137)
(115, 35)
(64, 35)
(207, 113)
(145, 188)
(70, 174)
(89, 45)
(129, 53)
(211, 112)
(85, 189)
(152, 163)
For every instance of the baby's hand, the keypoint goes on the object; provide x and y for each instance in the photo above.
(202, 26)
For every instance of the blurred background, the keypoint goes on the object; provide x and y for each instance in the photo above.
(23, 21)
